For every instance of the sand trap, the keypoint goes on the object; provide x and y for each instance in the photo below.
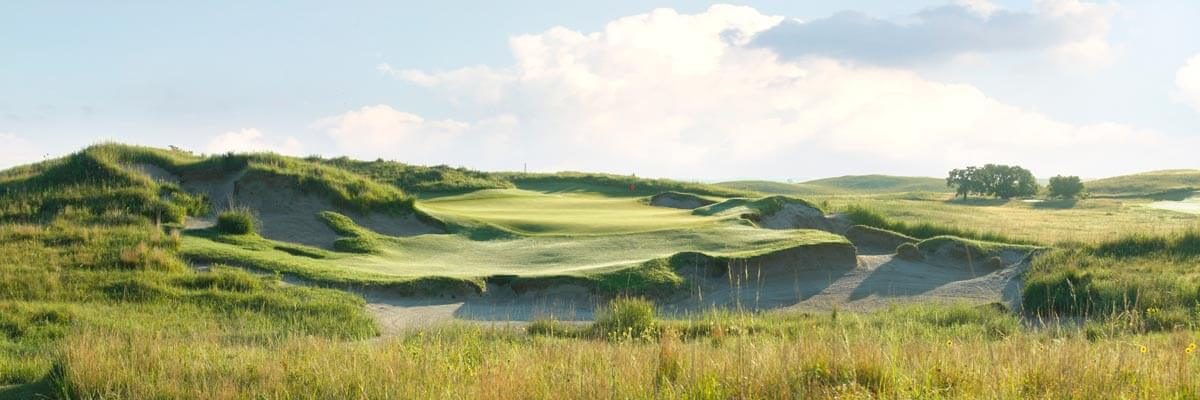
(286, 213)
(679, 200)
(815, 278)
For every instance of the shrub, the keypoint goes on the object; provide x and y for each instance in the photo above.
(238, 221)
(626, 315)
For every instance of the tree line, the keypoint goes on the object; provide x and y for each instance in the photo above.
(1008, 181)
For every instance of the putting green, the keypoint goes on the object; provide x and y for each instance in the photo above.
(538, 213)
(556, 234)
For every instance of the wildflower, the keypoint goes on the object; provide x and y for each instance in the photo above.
(949, 343)
(1143, 349)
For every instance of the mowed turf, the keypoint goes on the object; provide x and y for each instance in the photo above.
(553, 234)
(576, 213)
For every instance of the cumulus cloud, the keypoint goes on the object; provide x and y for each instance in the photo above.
(381, 131)
(16, 150)
(253, 140)
(682, 95)
(1187, 82)
(1070, 29)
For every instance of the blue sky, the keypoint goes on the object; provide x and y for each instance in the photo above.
(769, 89)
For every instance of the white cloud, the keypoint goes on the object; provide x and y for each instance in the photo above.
(1187, 82)
(253, 140)
(381, 131)
(687, 95)
(16, 150)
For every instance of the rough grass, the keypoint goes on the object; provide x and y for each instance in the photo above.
(80, 272)
(1047, 223)
(1140, 283)
(927, 352)
(1146, 183)
(238, 221)
(854, 184)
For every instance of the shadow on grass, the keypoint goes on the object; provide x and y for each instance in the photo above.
(1056, 204)
(42, 389)
(978, 202)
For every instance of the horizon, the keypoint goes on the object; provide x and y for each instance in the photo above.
(758, 90)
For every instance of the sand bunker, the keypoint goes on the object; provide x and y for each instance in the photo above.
(285, 212)
(819, 277)
(686, 201)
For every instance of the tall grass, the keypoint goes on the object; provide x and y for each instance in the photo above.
(863, 215)
(959, 352)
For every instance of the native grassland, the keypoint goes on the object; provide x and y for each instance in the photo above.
(102, 296)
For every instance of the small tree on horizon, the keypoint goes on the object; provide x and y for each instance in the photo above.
(1067, 187)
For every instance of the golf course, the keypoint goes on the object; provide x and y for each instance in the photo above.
(234, 258)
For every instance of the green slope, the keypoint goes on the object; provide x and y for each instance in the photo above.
(1146, 183)
(853, 184)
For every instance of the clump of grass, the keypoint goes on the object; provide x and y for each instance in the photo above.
(626, 318)
(355, 239)
(359, 245)
(237, 221)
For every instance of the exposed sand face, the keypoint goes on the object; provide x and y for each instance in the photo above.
(804, 279)
(286, 213)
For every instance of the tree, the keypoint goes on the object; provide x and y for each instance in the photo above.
(966, 181)
(1001, 181)
(1065, 186)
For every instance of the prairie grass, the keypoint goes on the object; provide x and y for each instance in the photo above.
(958, 352)
(1086, 221)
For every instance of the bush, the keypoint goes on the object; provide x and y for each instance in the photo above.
(626, 315)
(238, 221)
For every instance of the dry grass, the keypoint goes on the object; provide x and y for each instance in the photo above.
(844, 360)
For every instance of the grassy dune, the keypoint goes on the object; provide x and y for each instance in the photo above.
(851, 184)
(1146, 183)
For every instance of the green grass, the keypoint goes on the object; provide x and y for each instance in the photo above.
(1090, 220)
(576, 213)
(1146, 183)
(80, 272)
(616, 185)
(100, 300)
(851, 184)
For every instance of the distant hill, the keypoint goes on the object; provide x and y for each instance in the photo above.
(851, 184)
(1146, 183)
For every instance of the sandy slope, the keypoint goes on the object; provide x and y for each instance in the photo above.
(876, 281)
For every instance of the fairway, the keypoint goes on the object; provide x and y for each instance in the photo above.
(579, 234)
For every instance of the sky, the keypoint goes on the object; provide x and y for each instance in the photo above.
(680, 89)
